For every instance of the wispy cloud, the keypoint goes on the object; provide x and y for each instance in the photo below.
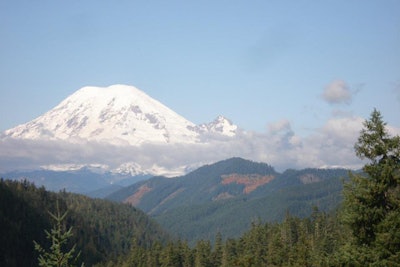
(337, 92)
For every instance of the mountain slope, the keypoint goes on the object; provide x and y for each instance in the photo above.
(102, 230)
(81, 181)
(231, 217)
(227, 196)
(114, 114)
(221, 180)
(220, 125)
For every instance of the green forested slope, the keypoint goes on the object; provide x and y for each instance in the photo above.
(191, 206)
(102, 230)
(313, 241)
(232, 217)
(200, 186)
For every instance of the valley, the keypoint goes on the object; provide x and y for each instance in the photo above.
(225, 197)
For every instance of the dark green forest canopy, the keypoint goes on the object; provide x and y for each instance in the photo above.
(102, 230)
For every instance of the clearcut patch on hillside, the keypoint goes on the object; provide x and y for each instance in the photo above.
(135, 198)
(250, 181)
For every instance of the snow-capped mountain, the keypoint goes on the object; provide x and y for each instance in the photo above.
(133, 168)
(220, 125)
(120, 119)
(118, 114)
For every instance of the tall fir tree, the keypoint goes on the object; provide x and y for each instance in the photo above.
(372, 199)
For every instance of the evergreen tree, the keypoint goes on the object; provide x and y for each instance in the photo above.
(58, 237)
(229, 253)
(171, 256)
(372, 200)
(218, 250)
(203, 253)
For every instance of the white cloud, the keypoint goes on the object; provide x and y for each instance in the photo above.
(334, 142)
(279, 126)
(337, 92)
(330, 145)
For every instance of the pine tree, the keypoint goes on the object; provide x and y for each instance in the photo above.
(218, 249)
(372, 201)
(203, 253)
(58, 237)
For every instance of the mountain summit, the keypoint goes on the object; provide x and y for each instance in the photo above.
(118, 114)
(220, 125)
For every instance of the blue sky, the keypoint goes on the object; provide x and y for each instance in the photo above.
(259, 63)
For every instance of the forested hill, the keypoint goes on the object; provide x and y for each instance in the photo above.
(102, 230)
(221, 180)
(227, 196)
